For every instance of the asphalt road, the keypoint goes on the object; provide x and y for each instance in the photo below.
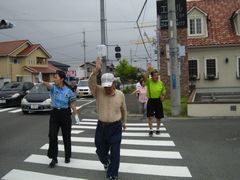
(209, 149)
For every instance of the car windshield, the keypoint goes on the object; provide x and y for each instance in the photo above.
(39, 88)
(83, 83)
(12, 86)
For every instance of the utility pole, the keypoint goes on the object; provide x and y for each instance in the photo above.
(175, 74)
(131, 58)
(103, 33)
(84, 53)
(158, 42)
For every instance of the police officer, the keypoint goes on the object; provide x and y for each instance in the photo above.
(63, 100)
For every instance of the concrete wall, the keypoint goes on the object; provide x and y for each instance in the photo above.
(208, 110)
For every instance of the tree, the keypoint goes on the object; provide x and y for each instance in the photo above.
(126, 71)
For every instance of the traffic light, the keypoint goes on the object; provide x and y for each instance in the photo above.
(117, 52)
(4, 24)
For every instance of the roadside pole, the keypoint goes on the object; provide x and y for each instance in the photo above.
(103, 34)
(175, 74)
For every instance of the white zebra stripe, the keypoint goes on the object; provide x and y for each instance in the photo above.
(6, 109)
(128, 124)
(126, 141)
(133, 134)
(128, 128)
(124, 152)
(16, 174)
(15, 111)
(145, 169)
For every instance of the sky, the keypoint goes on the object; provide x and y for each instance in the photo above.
(58, 26)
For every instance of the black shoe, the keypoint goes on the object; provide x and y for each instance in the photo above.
(150, 133)
(157, 132)
(67, 160)
(112, 178)
(106, 165)
(53, 163)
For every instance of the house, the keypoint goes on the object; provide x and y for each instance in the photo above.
(22, 61)
(214, 57)
(214, 43)
(61, 66)
(211, 67)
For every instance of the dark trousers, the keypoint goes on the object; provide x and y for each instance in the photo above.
(108, 138)
(59, 118)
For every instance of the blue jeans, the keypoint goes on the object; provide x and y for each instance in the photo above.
(108, 138)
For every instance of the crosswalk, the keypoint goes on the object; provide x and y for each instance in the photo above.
(135, 144)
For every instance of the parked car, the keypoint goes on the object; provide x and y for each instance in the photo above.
(38, 99)
(12, 93)
(83, 89)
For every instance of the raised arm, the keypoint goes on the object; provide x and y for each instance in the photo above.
(92, 83)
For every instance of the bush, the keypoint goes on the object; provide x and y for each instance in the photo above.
(167, 106)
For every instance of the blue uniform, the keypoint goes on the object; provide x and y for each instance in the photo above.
(60, 117)
(61, 96)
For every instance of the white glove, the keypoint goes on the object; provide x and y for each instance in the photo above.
(40, 77)
(77, 121)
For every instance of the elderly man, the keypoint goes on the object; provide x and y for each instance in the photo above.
(112, 115)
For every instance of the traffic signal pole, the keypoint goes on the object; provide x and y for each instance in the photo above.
(175, 74)
(103, 33)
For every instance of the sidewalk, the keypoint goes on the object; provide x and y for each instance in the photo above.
(133, 111)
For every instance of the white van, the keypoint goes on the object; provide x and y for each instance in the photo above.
(83, 89)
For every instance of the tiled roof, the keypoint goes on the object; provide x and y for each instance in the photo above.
(55, 63)
(220, 29)
(48, 70)
(8, 47)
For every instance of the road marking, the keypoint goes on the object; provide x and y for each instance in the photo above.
(124, 152)
(15, 111)
(79, 107)
(132, 134)
(16, 174)
(6, 109)
(128, 128)
(145, 169)
(128, 124)
(126, 141)
(76, 132)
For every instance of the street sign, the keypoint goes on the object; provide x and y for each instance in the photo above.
(181, 13)
(102, 50)
(71, 73)
(181, 52)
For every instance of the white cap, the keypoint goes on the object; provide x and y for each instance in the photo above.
(107, 79)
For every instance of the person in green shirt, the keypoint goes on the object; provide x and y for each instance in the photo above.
(155, 94)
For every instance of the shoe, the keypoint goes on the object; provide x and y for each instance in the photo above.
(53, 163)
(112, 178)
(106, 165)
(67, 160)
(157, 132)
(150, 133)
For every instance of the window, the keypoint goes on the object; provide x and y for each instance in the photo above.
(89, 69)
(193, 69)
(210, 69)
(195, 26)
(238, 67)
(19, 79)
(236, 22)
(41, 60)
(15, 61)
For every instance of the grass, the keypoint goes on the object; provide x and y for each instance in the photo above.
(167, 106)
